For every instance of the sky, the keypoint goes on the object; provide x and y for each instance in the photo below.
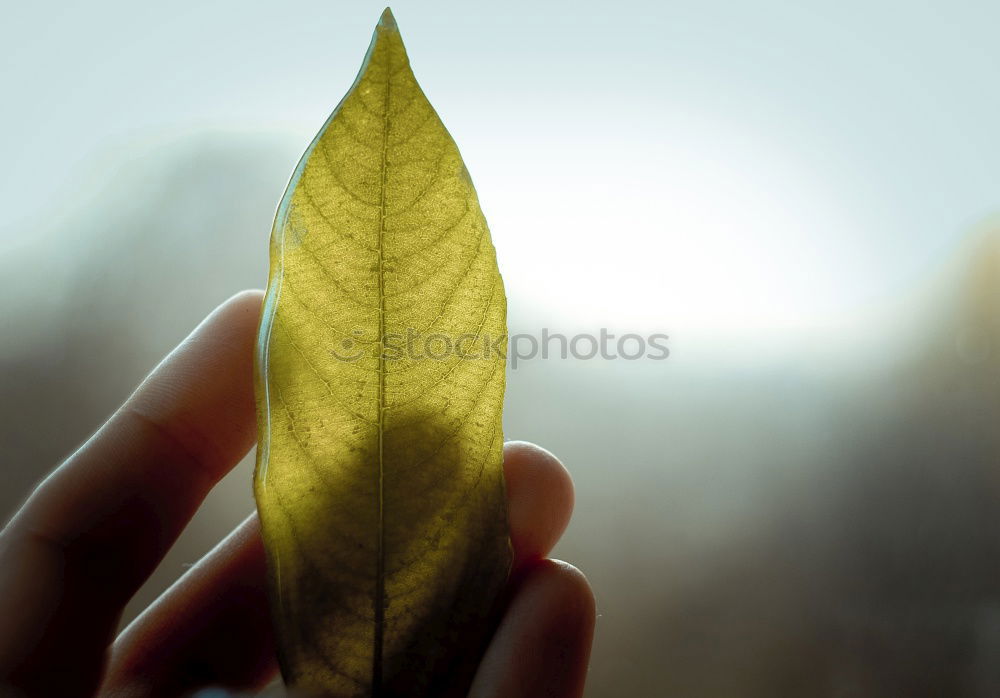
(654, 166)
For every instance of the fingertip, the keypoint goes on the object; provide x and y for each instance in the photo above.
(540, 498)
(573, 589)
(249, 296)
(543, 644)
(242, 310)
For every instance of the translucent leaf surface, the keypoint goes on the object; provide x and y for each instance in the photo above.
(380, 379)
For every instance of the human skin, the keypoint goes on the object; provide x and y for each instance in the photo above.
(99, 524)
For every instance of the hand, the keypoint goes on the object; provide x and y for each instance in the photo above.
(95, 529)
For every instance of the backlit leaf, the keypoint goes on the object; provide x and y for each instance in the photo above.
(380, 380)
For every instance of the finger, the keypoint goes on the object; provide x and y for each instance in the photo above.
(185, 640)
(94, 529)
(211, 628)
(540, 496)
(543, 643)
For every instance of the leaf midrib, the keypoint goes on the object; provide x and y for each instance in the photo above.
(379, 630)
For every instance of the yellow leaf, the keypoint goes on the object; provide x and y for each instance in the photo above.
(380, 380)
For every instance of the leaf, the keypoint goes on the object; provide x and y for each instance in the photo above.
(380, 380)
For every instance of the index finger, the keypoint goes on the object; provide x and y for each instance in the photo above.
(96, 527)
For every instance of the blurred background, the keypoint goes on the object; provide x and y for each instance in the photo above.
(803, 499)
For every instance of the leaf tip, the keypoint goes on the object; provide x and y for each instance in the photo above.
(387, 21)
